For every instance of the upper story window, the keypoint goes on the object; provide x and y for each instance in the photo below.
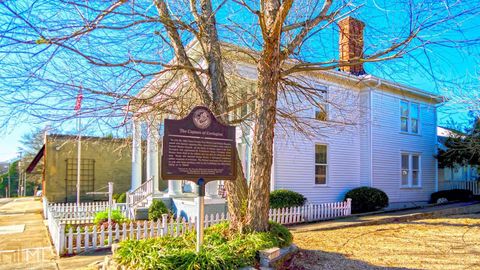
(244, 105)
(321, 105)
(321, 164)
(409, 117)
(410, 171)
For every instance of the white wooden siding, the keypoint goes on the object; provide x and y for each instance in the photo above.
(365, 141)
(388, 142)
(364, 152)
(295, 153)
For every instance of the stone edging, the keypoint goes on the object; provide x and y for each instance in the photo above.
(272, 258)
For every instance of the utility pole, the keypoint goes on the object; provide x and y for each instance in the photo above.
(20, 184)
(21, 176)
(8, 180)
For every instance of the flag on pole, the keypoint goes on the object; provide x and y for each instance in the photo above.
(78, 104)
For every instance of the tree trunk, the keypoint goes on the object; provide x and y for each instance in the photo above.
(236, 190)
(268, 70)
(272, 16)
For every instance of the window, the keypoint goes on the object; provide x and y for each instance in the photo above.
(244, 108)
(410, 171)
(409, 117)
(320, 164)
(414, 118)
(404, 115)
(320, 102)
(87, 178)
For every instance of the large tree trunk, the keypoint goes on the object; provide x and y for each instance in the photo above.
(236, 190)
(262, 153)
(271, 18)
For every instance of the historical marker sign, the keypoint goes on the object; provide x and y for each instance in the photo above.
(198, 146)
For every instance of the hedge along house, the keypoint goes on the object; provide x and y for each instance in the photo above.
(103, 160)
(363, 130)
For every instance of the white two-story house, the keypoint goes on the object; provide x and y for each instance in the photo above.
(366, 131)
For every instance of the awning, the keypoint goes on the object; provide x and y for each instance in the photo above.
(35, 160)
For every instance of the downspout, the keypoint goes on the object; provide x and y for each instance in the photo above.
(370, 100)
(436, 148)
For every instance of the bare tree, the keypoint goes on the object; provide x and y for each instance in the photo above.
(110, 49)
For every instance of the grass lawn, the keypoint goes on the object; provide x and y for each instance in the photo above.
(451, 242)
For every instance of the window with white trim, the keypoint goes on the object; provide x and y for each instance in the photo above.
(409, 117)
(321, 164)
(410, 170)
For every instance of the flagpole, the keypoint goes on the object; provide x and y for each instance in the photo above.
(79, 158)
(78, 107)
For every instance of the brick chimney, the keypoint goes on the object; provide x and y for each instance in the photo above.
(351, 45)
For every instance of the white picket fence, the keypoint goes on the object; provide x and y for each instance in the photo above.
(71, 213)
(87, 237)
(311, 212)
(56, 229)
(469, 185)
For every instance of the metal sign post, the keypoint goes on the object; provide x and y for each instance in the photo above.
(200, 149)
(200, 202)
(110, 195)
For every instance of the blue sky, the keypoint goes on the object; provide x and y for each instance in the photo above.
(447, 70)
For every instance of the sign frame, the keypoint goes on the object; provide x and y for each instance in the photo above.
(198, 125)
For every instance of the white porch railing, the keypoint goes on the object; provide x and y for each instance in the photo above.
(138, 196)
(469, 185)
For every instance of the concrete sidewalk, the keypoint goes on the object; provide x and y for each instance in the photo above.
(25, 243)
(387, 217)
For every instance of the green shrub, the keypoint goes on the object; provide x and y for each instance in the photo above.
(286, 198)
(367, 199)
(463, 195)
(120, 198)
(220, 250)
(156, 210)
(281, 234)
(116, 217)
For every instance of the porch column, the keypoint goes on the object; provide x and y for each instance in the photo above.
(175, 187)
(136, 180)
(152, 154)
(211, 189)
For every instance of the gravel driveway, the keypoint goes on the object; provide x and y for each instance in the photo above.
(451, 242)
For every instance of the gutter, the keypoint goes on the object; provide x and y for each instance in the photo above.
(378, 81)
